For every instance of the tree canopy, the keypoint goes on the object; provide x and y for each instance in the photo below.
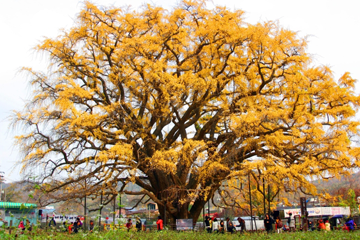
(180, 101)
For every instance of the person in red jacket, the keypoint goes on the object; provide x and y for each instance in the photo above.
(128, 224)
(321, 225)
(70, 227)
(159, 223)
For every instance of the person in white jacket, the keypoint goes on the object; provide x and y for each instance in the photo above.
(291, 223)
(215, 226)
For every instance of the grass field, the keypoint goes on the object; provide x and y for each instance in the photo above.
(173, 235)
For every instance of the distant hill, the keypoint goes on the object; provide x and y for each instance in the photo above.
(340, 186)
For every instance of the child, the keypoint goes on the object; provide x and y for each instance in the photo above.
(91, 228)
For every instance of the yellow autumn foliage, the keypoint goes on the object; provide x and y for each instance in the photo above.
(180, 101)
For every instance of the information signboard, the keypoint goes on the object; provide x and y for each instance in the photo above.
(319, 211)
(184, 224)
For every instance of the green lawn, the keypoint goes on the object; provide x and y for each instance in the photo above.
(172, 235)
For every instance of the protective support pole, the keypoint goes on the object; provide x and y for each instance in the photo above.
(165, 216)
(264, 197)
(120, 206)
(204, 215)
(251, 213)
(114, 209)
(101, 199)
(269, 197)
(85, 228)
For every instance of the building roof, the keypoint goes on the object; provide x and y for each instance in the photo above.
(17, 205)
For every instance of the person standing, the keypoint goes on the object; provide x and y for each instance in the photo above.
(71, 227)
(52, 221)
(159, 224)
(222, 227)
(128, 224)
(327, 225)
(138, 224)
(241, 224)
(321, 225)
(291, 223)
(350, 224)
(77, 225)
(278, 225)
(21, 225)
(79, 222)
(228, 224)
(268, 223)
(207, 224)
(215, 226)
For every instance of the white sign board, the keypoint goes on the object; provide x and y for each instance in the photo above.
(319, 211)
(184, 224)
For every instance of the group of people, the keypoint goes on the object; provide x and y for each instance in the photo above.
(215, 226)
(321, 225)
(280, 226)
(140, 227)
(350, 224)
(73, 226)
(324, 225)
(212, 225)
(24, 227)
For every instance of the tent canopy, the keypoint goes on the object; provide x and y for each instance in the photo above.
(17, 205)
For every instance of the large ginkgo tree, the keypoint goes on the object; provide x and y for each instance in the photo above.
(180, 101)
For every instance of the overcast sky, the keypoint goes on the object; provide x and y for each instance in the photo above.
(333, 27)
